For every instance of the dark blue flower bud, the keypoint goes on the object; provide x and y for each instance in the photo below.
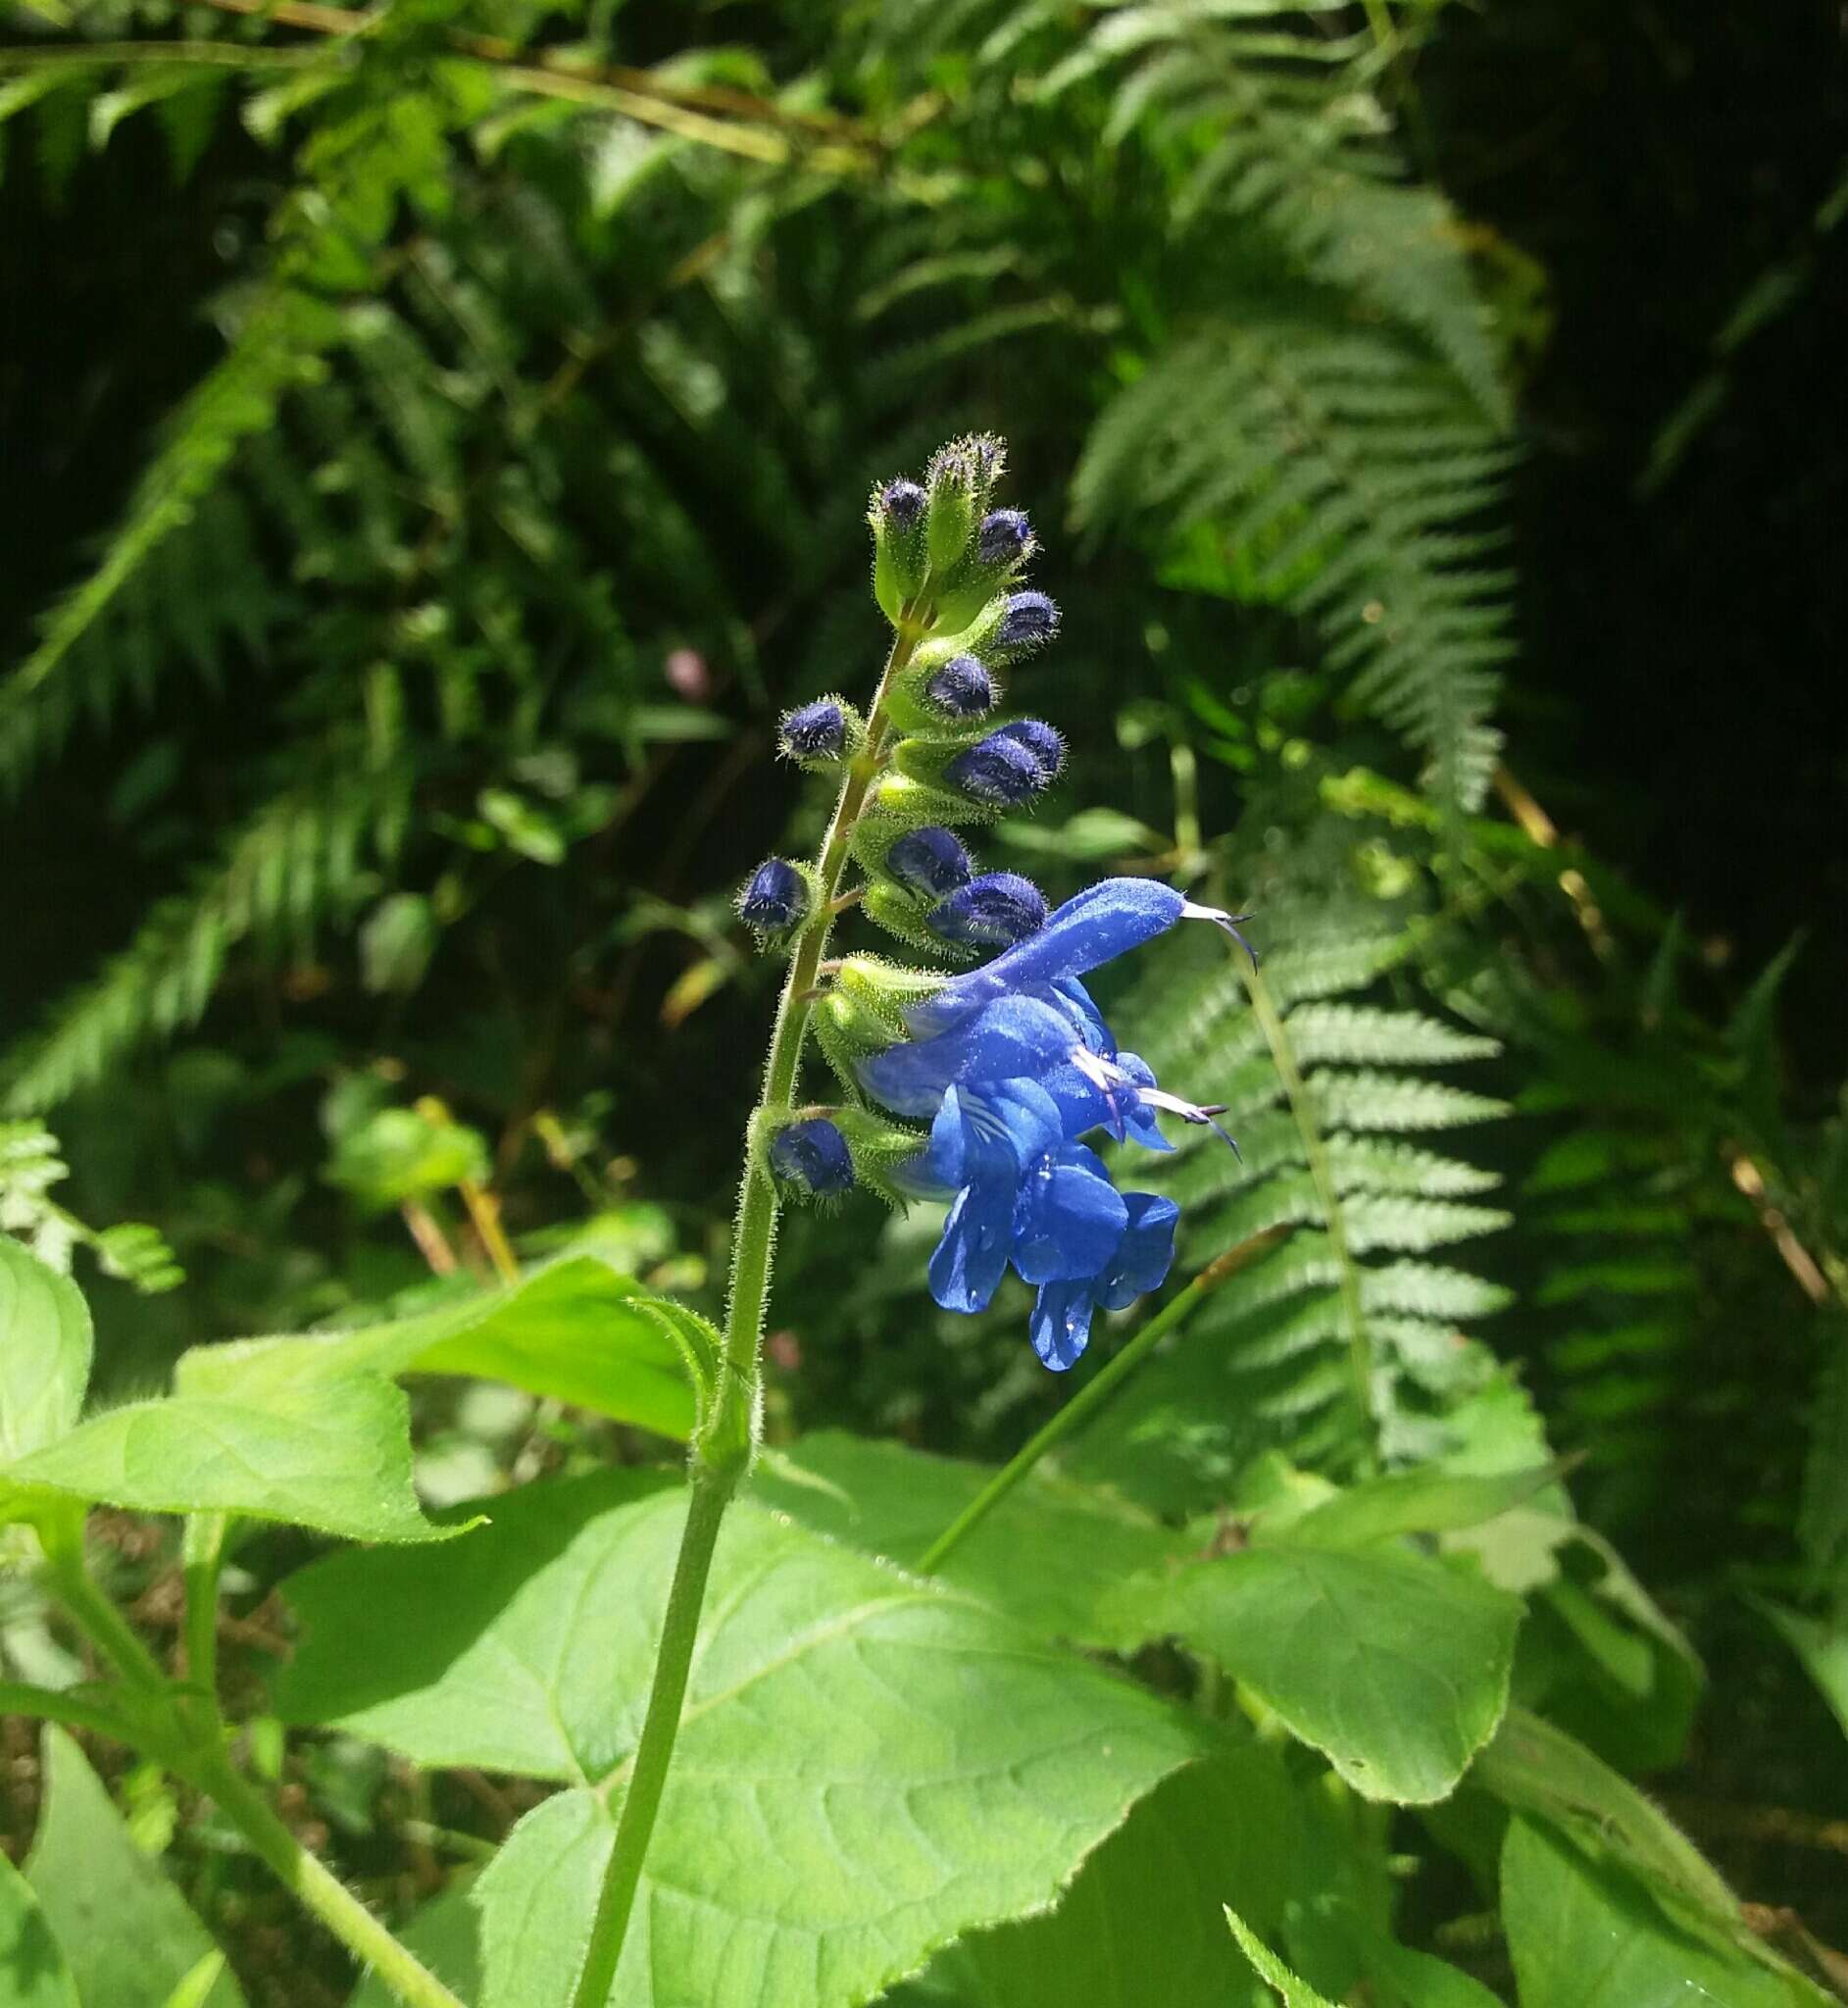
(1005, 537)
(1029, 617)
(1040, 739)
(814, 732)
(902, 504)
(961, 687)
(997, 769)
(900, 550)
(776, 900)
(813, 1155)
(930, 861)
(994, 911)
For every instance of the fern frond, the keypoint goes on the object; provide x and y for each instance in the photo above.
(78, 663)
(1352, 480)
(1285, 130)
(296, 860)
(1349, 1330)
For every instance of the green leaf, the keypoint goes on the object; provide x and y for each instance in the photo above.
(1583, 1935)
(578, 1330)
(400, 1154)
(44, 1352)
(1046, 1554)
(1293, 1993)
(1533, 1766)
(1821, 1647)
(32, 1969)
(1420, 1979)
(335, 1456)
(1394, 1665)
(127, 1933)
(868, 1766)
(1426, 1501)
(1144, 1921)
(195, 1990)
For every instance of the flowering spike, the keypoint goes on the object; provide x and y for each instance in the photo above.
(962, 689)
(930, 861)
(775, 899)
(994, 911)
(998, 770)
(811, 1157)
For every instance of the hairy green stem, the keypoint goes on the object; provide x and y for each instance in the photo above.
(315, 1887)
(192, 1745)
(105, 1626)
(1093, 1396)
(55, 1704)
(726, 1436)
(201, 1557)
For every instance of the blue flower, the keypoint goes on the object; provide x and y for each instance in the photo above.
(994, 911)
(1014, 1063)
(1139, 1262)
(930, 861)
(962, 689)
(812, 1156)
(979, 1146)
(1101, 923)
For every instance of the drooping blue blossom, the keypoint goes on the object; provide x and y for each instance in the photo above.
(775, 899)
(1005, 535)
(812, 1155)
(929, 861)
(1013, 1065)
(1139, 1262)
(962, 689)
(1094, 928)
(1002, 771)
(814, 732)
(903, 504)
(1028, 618)
(993, 911)
(978, 1150)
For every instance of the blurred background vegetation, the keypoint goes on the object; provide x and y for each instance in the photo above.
(438, 436)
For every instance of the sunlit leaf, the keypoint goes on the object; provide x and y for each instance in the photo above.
(1394, 1665)
(127, 1933)
(867, 1764)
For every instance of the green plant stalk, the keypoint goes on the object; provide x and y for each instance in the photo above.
(1309, 1129)
(315, 1887)
(201, 1557)
(1093, 1395)
(195, 1749)
(53, 1704)
(726, 1436)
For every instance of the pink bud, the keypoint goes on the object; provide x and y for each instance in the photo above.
(687, 675)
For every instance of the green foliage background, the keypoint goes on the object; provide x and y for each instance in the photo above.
(444, 434)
